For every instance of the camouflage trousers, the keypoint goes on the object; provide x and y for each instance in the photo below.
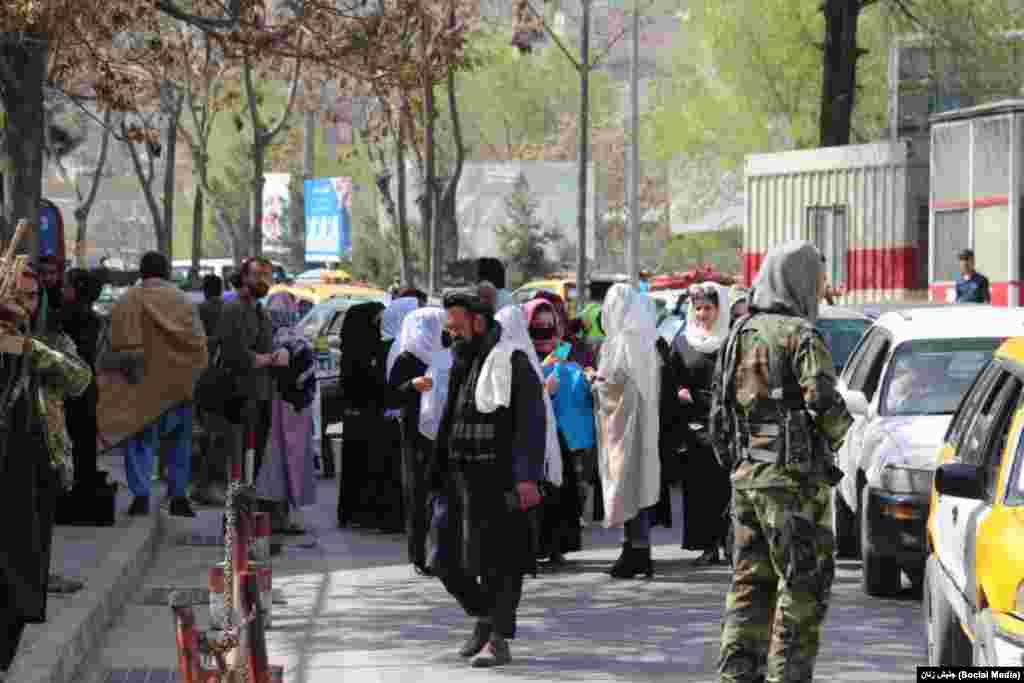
(782, 580)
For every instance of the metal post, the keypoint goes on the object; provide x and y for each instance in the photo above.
(634, 162)
(584, 149)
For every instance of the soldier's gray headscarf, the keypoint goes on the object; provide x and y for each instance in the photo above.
(788, 281)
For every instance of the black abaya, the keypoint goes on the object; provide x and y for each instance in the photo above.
(416, 453)
(706, 485)
(29, 486)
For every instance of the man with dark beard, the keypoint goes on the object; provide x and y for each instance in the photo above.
(488, 463)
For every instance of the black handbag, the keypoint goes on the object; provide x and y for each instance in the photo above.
(218, 392)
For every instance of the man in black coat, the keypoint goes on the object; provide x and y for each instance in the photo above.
(487, 465)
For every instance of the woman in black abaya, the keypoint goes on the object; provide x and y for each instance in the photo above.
(706, 485)
(363, 399)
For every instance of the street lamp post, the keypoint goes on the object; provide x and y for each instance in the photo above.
(634, 161)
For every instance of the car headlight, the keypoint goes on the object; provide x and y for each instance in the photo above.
(902, 479)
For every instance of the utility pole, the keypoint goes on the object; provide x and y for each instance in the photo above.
(633, 250)
(584, 153)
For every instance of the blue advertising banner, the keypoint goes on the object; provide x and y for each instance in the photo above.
(328, 233)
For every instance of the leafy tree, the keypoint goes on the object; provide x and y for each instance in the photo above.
(720, 249)
(523, 240)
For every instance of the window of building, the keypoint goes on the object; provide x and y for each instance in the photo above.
(827, 226)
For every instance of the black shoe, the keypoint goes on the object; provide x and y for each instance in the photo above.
(631, 562)
(476, 642)
(180, 507)
(494, 653)
(139, 507)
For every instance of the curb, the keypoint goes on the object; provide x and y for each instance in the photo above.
(62, 646)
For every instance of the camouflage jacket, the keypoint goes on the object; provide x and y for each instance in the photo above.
(62, 374)
(804, 420)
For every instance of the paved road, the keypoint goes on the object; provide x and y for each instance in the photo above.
(357, 613)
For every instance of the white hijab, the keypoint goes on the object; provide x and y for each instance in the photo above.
(494, 388)
(394, 314)
(697, 337)
(421, 336)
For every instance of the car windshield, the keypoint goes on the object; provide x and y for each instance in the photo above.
(929, 377)
(318, 316)
(841, 337)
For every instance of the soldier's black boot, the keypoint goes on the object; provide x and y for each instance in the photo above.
(631, 562)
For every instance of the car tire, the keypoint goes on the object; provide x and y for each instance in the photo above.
(846, 529)
(880, 576)
(947, 643)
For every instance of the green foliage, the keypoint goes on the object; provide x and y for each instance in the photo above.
(747, 78)
(719, 249)
(375, 255)
(523, 240)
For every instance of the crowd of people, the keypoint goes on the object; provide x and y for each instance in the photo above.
(488, 432)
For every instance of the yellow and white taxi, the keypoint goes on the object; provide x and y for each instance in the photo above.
(974, 576)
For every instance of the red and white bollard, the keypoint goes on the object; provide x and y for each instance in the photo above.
(261, 532)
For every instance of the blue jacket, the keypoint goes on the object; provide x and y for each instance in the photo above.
(574, 406)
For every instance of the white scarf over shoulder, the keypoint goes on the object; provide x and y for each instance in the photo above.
(494, 388)
(697, 337)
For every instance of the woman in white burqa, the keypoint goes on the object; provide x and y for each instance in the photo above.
(626, 394)
(494, 390)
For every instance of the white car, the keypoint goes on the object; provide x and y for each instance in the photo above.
(902, 385)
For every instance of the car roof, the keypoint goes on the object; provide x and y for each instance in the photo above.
(953, 322)
(827, 312)
(876, 310)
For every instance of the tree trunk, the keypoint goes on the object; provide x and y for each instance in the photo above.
(448, 221)
(405, 258)
(583, 153)
(165, 227)
(198, 219)
(839, 71)
(85, 203)
(434, 242)
(259, 161)
(22, 75)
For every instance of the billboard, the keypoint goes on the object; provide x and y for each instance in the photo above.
(276, 218)
(328, 202)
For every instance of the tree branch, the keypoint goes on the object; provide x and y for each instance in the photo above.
(231, 21)
(287, 113)
(460, 150)
(97, 176)
(250, 95)
(554, 37)
(604, 54)
(144, 181)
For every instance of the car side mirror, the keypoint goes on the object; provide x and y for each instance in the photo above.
(960, 481)
(856, 402)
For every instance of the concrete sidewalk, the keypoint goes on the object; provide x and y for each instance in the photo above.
(110, 561)
(356, 612)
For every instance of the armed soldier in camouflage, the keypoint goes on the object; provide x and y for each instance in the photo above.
(776, 422)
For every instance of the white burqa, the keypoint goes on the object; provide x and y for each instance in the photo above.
(421, 336)
(494, 388)
(627, 405)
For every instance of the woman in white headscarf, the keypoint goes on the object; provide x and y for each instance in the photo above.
(418, 375)
(626, 388)
(691, 364)
(494, 390)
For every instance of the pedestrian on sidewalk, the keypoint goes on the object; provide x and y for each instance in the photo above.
(972, 287)
(485, 475)
(391, 320)
(286, 478)
(364, 489)
(82, 324)
(30, 456)
(706, 487)
(626, 387)
(559, 516)
(776, 385)
(245, 342)
(417, 369)
(158, 344)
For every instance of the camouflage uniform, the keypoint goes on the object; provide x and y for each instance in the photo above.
(776, 420)
(62, 375)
